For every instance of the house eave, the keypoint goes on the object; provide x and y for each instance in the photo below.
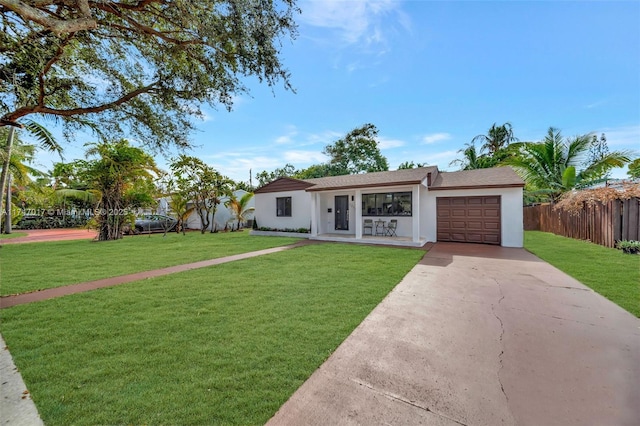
(447, 188)
(368, 185)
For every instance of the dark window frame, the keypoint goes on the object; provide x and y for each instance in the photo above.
(393, 208)
(285, 209)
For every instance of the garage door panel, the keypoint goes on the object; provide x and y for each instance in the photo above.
(493, 226)
(474, 237)
(469, 219)
(493, 213)
(458, 237)
(491, 239)
(492, 200)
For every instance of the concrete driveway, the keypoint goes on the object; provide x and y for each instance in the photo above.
(480, 335)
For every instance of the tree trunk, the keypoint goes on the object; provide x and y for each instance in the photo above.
(5, 167)
(7, 208)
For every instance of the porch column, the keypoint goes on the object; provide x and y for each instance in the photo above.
(314, 214)
(415, 211)
(358, 214)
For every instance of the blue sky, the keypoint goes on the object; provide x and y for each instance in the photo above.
(431, 76)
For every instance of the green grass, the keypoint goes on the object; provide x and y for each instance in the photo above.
(36, 266)
(226, 344)
(13, 235)
(610, 272)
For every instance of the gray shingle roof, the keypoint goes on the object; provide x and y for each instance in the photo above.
(390, 178)
(497, 177)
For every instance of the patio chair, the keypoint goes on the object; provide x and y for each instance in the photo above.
(391, 228)
(381, 227)
(368, 224)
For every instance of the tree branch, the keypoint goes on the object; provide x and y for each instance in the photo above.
(58, 26)
(144, 28)
(12, 117)
(48, 66)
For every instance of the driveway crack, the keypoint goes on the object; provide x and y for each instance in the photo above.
(500, 356)
(401, 399)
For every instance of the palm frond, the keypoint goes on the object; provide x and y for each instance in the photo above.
(44, 136)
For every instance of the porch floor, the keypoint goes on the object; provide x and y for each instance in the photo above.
(370, 239)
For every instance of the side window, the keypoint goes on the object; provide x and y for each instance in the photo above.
(283, 206)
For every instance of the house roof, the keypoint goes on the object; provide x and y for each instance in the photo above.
(497, 177)
(389, 178)
(284, 184)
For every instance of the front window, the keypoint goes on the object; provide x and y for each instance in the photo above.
(283, 206)
(387, 204)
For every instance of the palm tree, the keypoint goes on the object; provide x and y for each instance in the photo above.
(551, 166)
(470, 158)
(179, 205)
(497, 138)
(122, 174)
(14, 157)
(239, 207)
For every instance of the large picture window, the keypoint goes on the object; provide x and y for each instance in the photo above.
(283, 206)
(387, 204)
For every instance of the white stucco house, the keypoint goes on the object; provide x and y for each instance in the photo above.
(402, 207)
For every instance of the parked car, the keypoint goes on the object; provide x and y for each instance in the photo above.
(152, 223)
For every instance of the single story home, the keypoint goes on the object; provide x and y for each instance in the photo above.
(403, 207)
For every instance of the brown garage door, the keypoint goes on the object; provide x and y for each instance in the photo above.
(469, 219)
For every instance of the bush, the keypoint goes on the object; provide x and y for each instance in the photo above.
(631, 246)
(298, 230)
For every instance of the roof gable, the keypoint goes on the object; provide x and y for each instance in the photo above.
(283, 184)
(388, 178)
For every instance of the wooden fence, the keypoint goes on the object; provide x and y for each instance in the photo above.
(600, 223)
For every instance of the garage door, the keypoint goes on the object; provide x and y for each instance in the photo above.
(469, 219)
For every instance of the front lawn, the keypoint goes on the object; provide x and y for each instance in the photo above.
(36, 266)
(226, 344)
(610, 272)
(13, 235)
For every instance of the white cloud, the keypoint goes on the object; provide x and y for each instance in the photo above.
(596, 104)
(623, 138)
(435, 138)
(301, 158)
(323, 138)
(288, 137)
(385, 143)
(355, 21)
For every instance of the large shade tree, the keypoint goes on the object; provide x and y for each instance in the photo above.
(556, 165)
(141, 68)
(357, 152)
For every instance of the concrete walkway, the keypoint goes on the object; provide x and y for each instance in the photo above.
(480, 335)
(16, 406)
(50, 293)
(45, 235)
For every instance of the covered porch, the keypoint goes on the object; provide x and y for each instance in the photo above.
(370, 239)
(346, 215)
